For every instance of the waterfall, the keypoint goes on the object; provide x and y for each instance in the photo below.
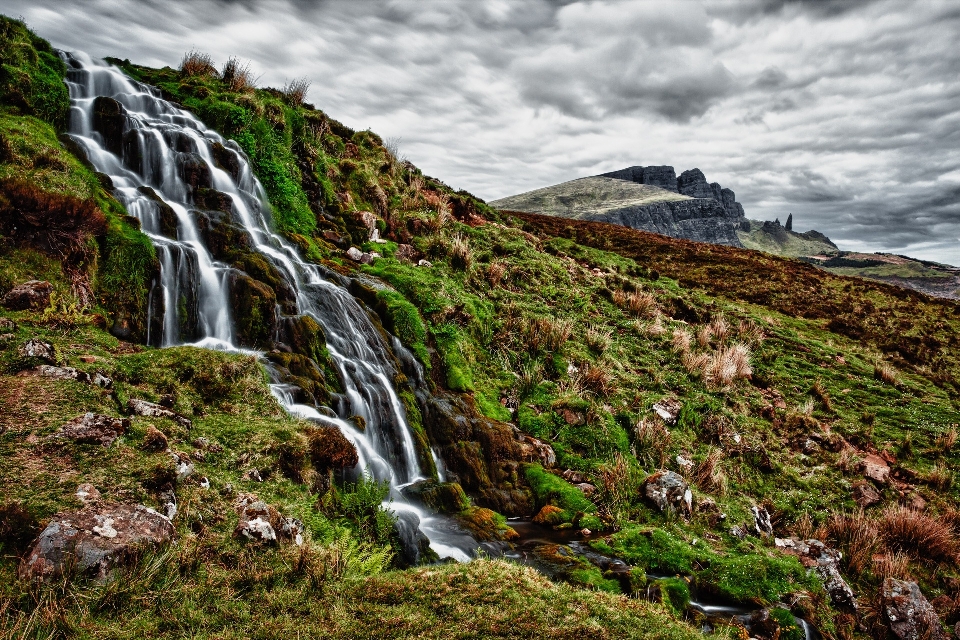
(147, 160)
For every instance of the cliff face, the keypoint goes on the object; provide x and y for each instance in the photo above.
(647, 198)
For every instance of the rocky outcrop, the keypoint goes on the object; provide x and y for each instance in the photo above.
(646, 198)
(95, 540)
(907, 612)
(260, 522)
(151, 410)
(825, 562)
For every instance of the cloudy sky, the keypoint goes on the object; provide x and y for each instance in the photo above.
(846, 114)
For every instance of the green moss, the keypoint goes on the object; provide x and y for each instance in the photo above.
(655, 550)
(550, 489)
(31, 75)
(789, 629)
(593, 578)
(404, 321)
(756, 577)
(674, 593)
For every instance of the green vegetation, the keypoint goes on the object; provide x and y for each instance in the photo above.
(786, 378)
(31, 75)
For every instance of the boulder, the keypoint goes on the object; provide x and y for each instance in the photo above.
(91, 428)
(354, 254)
(87, 493)
(254, 306)
(763, 625)
(668, 491)
(414, 545)
(57, 373)
(260, 522)
(875, 468)
(865, 494)
(151, 410)
(549, 514)
(445, 497)
(907, 612)
(34, 294)
(369, 222)
(154, 440)
(109, 120)
(95, 540)
(825, 562)
(39, 349)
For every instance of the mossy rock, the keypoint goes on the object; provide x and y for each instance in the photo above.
(254, 310)
(445, 497)
(486, 524)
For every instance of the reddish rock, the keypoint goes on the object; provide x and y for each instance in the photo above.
(154, 440)
(95, 540)
(865, 494)
(406, 253)
(875, 468)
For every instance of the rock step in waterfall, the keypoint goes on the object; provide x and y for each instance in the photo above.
(179, 179)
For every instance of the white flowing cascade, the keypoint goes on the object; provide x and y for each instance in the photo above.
(158, 139)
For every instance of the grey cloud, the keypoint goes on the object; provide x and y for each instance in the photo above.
(845, 113)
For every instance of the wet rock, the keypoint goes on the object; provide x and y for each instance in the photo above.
(907, 612)
(213, 200)
(329, 449)
(91, 428)
(875, 468)
(763, 625)
(667, 491)
(825, 562)
(154, 440)
(39, 349)
(668, 409)
(414, 545)
(226, 159)
(354, 254)
(109, 120)
(151, 410)
(34, 294)
(254, 306)
(865, 494)
(166, 216)
(194, 171)
(761, 521)
(95, 540)
(445, 497)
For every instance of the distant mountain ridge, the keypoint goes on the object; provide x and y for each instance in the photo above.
(651, 198)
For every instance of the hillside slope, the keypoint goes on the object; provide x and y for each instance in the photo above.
(574, 368)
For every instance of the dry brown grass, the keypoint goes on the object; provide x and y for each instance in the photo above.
(819, 390)
(681, 341)
(461, 256)
(750, 332)
(197, 64)
(596, 379)
(918, 535)
(547, 334)
(726, 365)
(295, 91)
(639, 303)
(654, 329)
(719, 327)
(891, 565)
(598, 339)
(615, 487)
(946, 441)
(856, 535)
(885, 372)
(704, 335)
(238, 75)
(652, 442)
(496, 271)
(708, 474)
(940, 477)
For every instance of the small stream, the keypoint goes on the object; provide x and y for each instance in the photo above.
(544, 549)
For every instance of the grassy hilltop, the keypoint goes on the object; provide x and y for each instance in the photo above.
(786, 377)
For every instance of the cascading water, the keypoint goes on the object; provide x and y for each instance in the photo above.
(147, 159)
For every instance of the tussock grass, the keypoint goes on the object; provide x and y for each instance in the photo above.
(196, 64)
(238, 76)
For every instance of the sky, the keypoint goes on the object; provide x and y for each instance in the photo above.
(846, 114)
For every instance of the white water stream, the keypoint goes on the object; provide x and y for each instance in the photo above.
(159, 144)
